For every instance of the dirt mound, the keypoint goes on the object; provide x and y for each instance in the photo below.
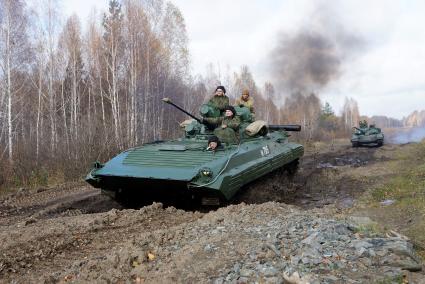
(62, 240)
(266, 242)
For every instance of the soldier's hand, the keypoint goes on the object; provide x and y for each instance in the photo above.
(224, 126)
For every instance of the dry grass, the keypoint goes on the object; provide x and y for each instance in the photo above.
(402, 181)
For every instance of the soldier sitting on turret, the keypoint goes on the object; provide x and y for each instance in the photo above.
(225, 127)
(219, 100)
(245, 101)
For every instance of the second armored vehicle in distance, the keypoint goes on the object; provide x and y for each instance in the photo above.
(367, 135)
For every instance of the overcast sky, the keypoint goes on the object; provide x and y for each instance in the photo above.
(386, 77)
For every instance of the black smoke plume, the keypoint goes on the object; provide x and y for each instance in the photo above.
(308, 60)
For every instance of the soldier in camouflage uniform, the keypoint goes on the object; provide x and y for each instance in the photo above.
(213, 143)
(227, 127)
(246, 101)
(219, 100)
(363, 124)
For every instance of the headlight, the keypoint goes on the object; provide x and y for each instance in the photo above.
(206, 172)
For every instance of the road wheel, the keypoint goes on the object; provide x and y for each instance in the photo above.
(292, 167)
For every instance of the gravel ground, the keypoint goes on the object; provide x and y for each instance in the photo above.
(71, 233)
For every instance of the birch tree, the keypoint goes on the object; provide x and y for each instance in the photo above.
(14, 52)
(71, 45)
(350, 113)
(113, 47)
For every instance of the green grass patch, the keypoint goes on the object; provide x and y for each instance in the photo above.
(406, 187)
(392, 280)
(370, 230)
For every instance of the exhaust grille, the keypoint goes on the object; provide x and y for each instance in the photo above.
(179, 159)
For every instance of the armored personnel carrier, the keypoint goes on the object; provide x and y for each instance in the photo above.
(367, 135)
(185, 169)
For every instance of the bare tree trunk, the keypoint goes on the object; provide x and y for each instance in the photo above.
(50, 86)
(102, 104)
(37, 127)
(65, 126)
(147, 95)
(9, 101)
(133, 90)
(89, 115)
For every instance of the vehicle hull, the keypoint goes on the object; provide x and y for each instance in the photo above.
(184, 169)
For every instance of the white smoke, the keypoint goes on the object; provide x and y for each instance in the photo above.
(407, 135)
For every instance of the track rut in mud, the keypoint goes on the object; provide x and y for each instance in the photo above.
(73, 233)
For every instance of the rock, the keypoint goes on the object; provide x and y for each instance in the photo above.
(345, 203)
(366, 261)
(246, 272)
(331, 278)
(208, 248)
(295, 260)
(401, 248)
(273, 249)
(269, 271)
(236, 268)
(243, 280)
(274, 280)
(325, 165)
(358, 244)
(340, 264)
(294, 279)
(311, 239)
(253, 256)
(311, 253)
(361, 252)
(387, 202)
(362, 221)
(30, 220)
(40, 189)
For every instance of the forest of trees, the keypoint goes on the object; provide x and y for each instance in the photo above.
(71, 95)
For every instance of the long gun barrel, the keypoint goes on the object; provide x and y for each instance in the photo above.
(168, 101)
(286, 127)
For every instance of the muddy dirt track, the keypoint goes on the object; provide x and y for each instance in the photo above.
(72, 233)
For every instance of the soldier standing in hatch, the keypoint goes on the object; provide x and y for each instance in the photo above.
(227, 127)
(246, 101)
(219, 100)
(363, 124)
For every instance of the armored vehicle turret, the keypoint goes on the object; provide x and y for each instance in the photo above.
(186, 168)
(367, 135)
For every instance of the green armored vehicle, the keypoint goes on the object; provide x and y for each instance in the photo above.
(367, 135)
(186, 169)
